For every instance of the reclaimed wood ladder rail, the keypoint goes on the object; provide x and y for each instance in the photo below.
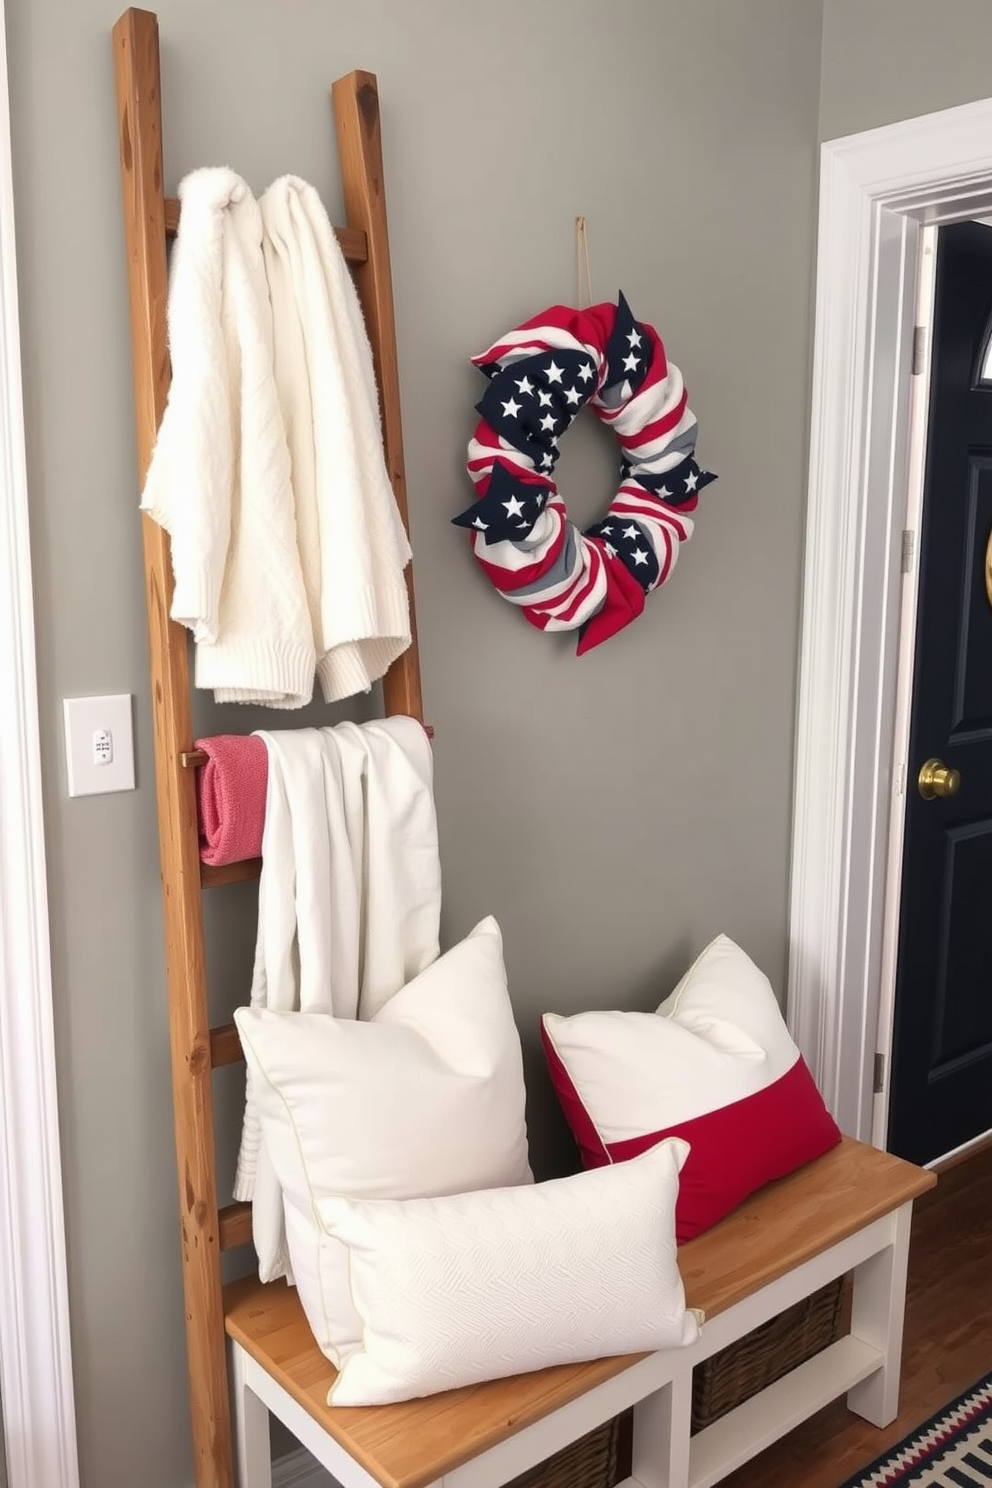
(849, 1210)
(196, 1048)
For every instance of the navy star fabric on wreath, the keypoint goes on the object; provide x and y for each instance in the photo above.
(541, 375)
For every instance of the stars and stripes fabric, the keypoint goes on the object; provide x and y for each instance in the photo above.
(541, 375)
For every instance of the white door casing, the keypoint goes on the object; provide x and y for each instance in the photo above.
(876, 189)
(35, 1360)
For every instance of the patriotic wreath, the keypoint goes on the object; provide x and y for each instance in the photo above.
(541, 375)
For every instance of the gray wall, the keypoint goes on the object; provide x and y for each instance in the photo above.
(614, 812)
(885, 60)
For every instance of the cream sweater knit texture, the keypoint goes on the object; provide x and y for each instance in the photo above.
(268, 473)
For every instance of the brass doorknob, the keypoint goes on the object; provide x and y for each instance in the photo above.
(936, 780)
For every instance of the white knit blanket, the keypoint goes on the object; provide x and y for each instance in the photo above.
(349, 899)
(353, 543)
(288, 550)
(219, 478)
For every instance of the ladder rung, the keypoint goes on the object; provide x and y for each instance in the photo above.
(354, 243)
(234, 1226)
(225, 1046)
(192, 759)
(212, 877)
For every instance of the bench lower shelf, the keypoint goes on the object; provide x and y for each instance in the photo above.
(751, 1427)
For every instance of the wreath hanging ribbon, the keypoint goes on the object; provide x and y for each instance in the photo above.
(541, 375)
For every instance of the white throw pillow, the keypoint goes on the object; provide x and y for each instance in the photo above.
(427, 1098)
(454, 1291)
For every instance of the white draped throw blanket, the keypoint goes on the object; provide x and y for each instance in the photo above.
(349, 899)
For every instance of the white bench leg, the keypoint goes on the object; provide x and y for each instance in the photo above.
(253, 1452)
(877, 1317)
(661, 1435)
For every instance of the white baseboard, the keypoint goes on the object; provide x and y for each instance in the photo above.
(299, 1470)
(958, 1154)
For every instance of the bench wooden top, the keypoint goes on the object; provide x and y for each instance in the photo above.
(414, 1443)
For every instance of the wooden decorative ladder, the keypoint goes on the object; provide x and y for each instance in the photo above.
(150, 218)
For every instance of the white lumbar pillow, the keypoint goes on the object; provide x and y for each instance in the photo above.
(453, 1291)
(427, 1098)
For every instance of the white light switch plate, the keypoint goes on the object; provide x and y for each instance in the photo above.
(99, 744)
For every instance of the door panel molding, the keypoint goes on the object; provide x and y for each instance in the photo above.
(961, 844)
(877, 189)
(969, 726)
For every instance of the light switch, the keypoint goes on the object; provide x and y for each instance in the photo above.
(99, 744)
(103, 747)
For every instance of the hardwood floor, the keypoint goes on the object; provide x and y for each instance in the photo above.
(948, 1343)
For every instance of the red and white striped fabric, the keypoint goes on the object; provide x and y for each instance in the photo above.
(541, 375)
(714, 1065)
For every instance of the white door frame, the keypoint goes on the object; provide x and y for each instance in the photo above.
(35, 1360)
(876, 189)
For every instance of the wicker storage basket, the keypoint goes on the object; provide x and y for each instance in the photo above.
(598, 1460)
(756, 1360)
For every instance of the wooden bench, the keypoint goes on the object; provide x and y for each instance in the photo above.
(848, 1211)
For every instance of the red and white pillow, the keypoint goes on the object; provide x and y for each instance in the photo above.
(715, 1065)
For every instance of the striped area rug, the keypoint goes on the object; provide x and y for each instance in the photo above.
(951, 1450)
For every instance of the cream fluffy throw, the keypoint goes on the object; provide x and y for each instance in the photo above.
(268, 472)
(349, 899)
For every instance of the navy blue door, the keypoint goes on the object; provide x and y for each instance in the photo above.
(941, 1086)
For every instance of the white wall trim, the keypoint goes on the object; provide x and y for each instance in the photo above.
(35, 1360)
(915, 448)
(875, 190)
